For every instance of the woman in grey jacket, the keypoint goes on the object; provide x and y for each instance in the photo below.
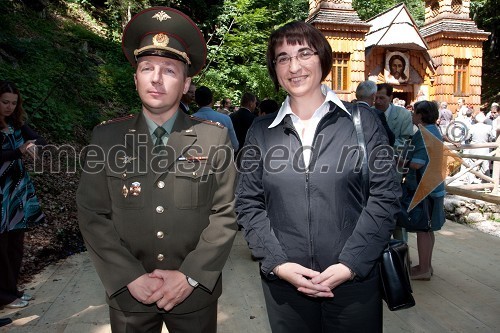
(300, 196)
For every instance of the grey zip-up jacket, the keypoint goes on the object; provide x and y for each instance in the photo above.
(316, 217)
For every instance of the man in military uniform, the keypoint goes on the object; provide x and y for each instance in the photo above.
(156, 196)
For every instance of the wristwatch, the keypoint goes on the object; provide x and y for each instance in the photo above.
(193, 283)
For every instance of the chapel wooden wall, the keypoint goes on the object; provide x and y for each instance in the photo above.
(354, 44)
(448, 31)
(452, 35)
(444, 51)
(345, 31)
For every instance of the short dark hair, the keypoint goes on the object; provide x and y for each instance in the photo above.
(269, 106)
(299, 32)
(247, 99)
(386, 86)
(429, 111)
(203, 96)
(224, 102)
(18, 116)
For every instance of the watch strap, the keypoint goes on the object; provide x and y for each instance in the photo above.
(192, 282)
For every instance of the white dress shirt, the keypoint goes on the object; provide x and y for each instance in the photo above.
(307, 128)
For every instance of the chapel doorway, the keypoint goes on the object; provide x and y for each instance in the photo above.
(406, 96)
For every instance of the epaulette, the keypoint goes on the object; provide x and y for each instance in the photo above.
(116, 120)
(206, 121)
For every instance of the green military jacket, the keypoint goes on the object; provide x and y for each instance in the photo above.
(142, 208)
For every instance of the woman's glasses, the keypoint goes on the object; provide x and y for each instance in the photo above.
(285, 59)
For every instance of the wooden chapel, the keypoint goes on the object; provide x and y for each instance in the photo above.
(442, 60)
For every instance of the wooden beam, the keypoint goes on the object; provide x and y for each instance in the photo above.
(473, 194)
(451, 146)
(496, 169)
(469, 167)
(482, 157)
(477, 186)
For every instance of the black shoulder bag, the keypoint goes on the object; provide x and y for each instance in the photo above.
(394, 264)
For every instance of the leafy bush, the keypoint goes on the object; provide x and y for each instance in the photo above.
(70, 78)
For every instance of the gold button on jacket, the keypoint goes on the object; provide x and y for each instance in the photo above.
(122, 232)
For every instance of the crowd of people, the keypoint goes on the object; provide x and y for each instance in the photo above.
(464, 126)
(159, 222)
(236, 119)
(469, 126)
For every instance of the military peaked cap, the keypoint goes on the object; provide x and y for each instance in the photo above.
(165, 32)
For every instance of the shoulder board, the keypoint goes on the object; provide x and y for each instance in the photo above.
(116, 120)
(206, 121)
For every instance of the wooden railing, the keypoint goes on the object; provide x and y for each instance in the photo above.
(472, 190)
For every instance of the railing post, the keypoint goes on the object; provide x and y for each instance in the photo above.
(496, 169)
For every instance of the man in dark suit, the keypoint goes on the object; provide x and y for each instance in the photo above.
(365, 94)
(400, 122)
(243, 118)
(156, 196)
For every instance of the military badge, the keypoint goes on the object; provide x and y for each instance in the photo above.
(127, 159)
(125, 191)
(160, 40)
(135, 189)
(161, 16)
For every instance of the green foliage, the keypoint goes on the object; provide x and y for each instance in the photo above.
(369, 8)
(70, 78)
(237, 46)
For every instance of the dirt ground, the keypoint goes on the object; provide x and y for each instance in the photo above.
(58, 237)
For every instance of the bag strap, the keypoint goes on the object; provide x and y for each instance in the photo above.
(356, 118)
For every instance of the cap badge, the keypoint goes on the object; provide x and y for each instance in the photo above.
(161, 16)
(160, 40)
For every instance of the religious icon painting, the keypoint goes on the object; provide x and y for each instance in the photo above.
(397, 67)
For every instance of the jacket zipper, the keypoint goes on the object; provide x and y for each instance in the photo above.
(307, 188)
(308, 194)
(307, 201)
